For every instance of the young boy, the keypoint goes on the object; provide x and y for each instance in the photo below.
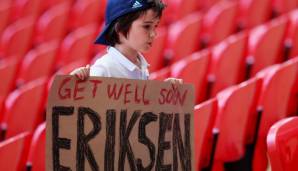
(130, 28)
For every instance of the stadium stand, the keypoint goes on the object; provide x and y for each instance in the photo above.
(214, 44)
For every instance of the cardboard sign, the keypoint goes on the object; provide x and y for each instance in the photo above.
(107, 124)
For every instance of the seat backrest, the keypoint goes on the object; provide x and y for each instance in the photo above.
(278, 82)
(155, 56)
(253, 12)
(16, 39)
(193, 69)
(284, 6)
(265, 44)
(8, 72)
(282, 144)
(181, 9)
(184, 32)
(228, 62)
(236, 110)
(292, 34)
(161, 74)
(38, 62)
(36, 156)
(5, 8)
(47, 4)
(219, 22)
(23, 8)
(77, 45)
(85, 12)
(52, 25)
(293, 104)
(13, 152)
(204, 118)
(24, 108)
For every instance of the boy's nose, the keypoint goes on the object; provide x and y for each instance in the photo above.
(152, 33)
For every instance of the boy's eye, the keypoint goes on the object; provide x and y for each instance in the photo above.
(146, 26)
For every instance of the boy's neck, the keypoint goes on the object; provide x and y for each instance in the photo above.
(129, 53)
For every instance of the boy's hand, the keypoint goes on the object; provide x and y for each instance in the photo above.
(174, 80)
(81, 73)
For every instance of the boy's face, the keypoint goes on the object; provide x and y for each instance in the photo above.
(142, 32)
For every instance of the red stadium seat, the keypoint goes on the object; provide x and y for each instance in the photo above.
(5, 8)
(155, 56)
(284, 6)
(282, 145)
(52, 24)
(236, 108)
(219, 22)
(228, 63)
(47, 4)
(65, 70)
(8, 72)
(161, 75)
(70, 67)
(24, 108)
(36, 156)
(17, 38)
(38, 62)
(204, 119)
(26, 8)
(77, 45)
(193, 69)
(204, 5)
(181, 8)
(13, 152)
(183, 38)
(293, 106)
(253, 12)
(85, 12)
(278, 81)
(291, 41)
(265, 45)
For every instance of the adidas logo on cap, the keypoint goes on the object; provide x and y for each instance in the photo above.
(137, 4)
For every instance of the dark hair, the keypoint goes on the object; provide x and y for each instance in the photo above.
(123, 23)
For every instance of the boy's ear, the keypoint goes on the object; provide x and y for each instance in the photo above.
(116, 26)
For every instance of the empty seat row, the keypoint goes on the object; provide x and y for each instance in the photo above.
(240, 117)
(237, 58)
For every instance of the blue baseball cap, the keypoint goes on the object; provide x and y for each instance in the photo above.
(118, 8)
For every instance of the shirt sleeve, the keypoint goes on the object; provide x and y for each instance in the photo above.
(98, 71)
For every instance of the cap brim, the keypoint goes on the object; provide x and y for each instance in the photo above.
(101, 38)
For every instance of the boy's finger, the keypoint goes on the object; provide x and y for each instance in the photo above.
(77, 75)
(86, 73)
